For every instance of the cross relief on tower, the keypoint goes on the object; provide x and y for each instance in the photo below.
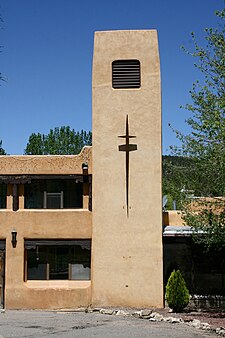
(127, 147)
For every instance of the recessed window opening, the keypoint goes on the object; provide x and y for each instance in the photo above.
(3, 193)
(59, 259)
(53, 194)
(126, 74)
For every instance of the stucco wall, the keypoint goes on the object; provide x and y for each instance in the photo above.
(127, 250)
(42, 224)
(46, 164)
(173, 217)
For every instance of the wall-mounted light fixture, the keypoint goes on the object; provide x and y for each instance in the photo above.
(84, 166)
(85, 172)
(14, 238)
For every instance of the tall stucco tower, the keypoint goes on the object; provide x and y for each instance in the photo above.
(127, 267)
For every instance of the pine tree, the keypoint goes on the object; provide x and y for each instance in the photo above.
(2, 151)
(177, 294)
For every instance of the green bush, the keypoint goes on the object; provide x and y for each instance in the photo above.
(177, 294)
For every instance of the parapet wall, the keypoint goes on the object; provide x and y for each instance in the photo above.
(173, 217)
(46, 164)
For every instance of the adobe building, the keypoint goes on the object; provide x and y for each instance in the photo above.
(87, 229)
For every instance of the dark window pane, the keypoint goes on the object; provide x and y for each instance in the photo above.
(33, 194)
(81, 262)
(54, 186)
(3, 193)
(37, 263)
(53, 194)
(73, 194)
(59, 261)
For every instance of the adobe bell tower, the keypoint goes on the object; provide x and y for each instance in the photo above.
(127, 265)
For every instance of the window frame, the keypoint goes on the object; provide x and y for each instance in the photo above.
(53, 194)
(70, 191)
(30, 244)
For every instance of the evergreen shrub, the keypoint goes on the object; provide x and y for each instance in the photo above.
(177, 294)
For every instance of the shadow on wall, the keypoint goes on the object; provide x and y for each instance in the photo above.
(204, 272)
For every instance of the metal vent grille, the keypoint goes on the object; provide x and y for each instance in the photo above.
(126, 74)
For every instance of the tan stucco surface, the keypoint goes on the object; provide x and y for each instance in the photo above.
(173, 217)
(46, 164)
(42, 224)
(127, 251)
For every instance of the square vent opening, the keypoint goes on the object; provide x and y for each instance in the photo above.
(126, 74)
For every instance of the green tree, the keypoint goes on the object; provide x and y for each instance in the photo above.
(175, 171)
(177, 294)
(59, 141)
(2, 151)
(205, 144)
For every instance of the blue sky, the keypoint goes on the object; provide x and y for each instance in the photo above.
(47, 59)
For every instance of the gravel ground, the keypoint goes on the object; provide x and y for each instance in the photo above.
(215, 318)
